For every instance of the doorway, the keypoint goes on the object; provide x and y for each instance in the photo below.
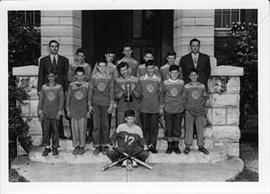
(142, 29)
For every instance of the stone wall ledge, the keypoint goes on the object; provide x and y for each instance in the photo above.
(226, 70)
(25, 71)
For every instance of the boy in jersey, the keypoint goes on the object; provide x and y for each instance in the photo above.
(100, 103)
(129, 139)
(194, 98)
(173, 108)
(142, 69)
(77, 110)
(133, 64)
(127, 93)
(151, 105)
(50, 108)
(164, 70)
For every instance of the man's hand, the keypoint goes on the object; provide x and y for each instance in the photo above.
(145, 148)
(110, 109)
(59, 114)
(91, 109)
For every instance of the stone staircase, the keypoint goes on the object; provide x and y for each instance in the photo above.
(217, 153)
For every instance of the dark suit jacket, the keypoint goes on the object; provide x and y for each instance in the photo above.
(61, 68)
(203, 67)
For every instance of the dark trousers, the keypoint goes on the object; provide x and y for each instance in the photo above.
(114, 155)
(51, 130)
(101, 131)
(173, 122)
(150, 127)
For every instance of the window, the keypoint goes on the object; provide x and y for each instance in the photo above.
(225, 17)
(29, 18)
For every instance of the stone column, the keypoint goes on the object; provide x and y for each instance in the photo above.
(223, 109)
(190, 24)
(63, 26)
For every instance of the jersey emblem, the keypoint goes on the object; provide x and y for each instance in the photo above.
(101, 87)
(78, 95)
(195, 94)
(174, 92)
(150, 88)
(51, 96)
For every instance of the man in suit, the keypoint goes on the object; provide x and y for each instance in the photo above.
(199, 61)
(61, 63)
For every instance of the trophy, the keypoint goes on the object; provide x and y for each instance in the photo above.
(128, 97)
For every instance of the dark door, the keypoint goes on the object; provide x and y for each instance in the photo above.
(143, 29)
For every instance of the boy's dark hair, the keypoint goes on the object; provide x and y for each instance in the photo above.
(102, 60)
(53, 71)
(80, 50)
(109, 51)
(194, 40)
(148, 52)
(53, 41)
(121, 65)
(149, 63)
(171, 53)
(129, 113)
(79, 69)
(193, 70)
(127, 45)
(174, 68)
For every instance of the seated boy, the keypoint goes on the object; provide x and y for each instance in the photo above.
(129, 139)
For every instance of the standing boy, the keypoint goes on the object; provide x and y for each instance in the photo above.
(100, 102)
(174, 108)
(142, 69)
(133, 64)
(129, 138)
(127, 93)
(77, 110)
(151, 105)
(164, 70)
(51, 107)
(194, 98)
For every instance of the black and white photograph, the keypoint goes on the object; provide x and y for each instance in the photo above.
(135, 96)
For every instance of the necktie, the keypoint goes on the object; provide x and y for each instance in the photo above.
(195, 60)
(54, 60)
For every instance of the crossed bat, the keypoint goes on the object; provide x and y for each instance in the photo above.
(126, 157)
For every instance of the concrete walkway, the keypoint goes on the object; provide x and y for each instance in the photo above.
(66, 172)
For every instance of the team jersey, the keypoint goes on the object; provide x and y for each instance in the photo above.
(173, 91)
(194, 97)
(164, 72)
(121, 85)
(127, 137)
(101, 90)
(151, 89)
(71, 70)
(77, 98)
(142, 71)
(133, 65)
(51, 100)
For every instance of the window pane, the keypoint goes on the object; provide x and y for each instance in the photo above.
(235, 15)
(137, 24)
(37, 18)
(218, 18)
(226, 18)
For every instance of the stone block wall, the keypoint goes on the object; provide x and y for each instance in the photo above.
(223, 108)
(64, 27)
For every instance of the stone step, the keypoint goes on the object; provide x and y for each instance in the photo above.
(65, 156)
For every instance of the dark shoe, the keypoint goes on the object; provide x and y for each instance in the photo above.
(55, 151)
(153, 149)
(76, 150)
(187, 150)
(104, 150)
(169, 149)
(97, 151)
(203, 150)
(81, 150)
(176, 147)
(46, 151)
(63, 138)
